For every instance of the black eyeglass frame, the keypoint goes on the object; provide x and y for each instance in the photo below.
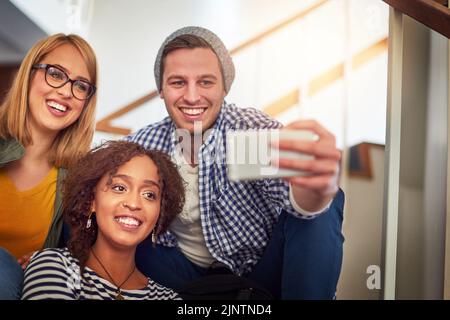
(47, 66)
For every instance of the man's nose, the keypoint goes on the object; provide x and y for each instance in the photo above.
(192, 94)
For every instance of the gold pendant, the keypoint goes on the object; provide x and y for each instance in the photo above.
(119, 296)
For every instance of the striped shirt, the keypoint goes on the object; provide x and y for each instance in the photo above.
(55, 274)
(237, 218)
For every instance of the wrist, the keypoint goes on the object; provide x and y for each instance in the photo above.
(312, 200)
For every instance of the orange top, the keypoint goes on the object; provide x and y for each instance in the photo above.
(25, 216)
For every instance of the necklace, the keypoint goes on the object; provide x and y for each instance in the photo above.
(118, 291)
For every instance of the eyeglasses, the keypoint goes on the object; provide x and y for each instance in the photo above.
(57, 78)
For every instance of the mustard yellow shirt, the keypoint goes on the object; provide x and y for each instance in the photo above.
(25, 216)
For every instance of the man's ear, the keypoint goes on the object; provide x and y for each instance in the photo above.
(161, 95)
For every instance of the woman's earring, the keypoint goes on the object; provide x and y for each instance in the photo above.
(89, 221)
(153, 237)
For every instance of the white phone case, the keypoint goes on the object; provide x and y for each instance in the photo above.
(249, 153)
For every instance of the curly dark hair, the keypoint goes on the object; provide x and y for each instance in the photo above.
(81, 181)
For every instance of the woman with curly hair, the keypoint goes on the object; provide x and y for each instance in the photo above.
(113, 198)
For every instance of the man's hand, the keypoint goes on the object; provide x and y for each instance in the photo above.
(25, 259)
(314, 191)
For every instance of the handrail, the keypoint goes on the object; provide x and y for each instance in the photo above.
(284, 103)
(104, 124)
(277, 27)
(326, 78)
(433, 13)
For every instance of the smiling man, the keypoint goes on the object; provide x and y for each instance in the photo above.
(283, 234)
(192, 87)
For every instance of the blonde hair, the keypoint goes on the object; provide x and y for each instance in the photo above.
(71, 142)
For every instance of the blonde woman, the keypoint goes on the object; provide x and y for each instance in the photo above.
(46, 123)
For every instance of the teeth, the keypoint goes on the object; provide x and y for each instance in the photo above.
(57, 106)
(193, 112)
(128, 221)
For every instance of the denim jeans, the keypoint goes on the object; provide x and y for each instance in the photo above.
(11, 276)
(302, 260)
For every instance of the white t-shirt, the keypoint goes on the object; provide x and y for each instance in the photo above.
(187, 226)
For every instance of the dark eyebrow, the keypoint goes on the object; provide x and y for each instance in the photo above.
(67, 71)
(146, 181)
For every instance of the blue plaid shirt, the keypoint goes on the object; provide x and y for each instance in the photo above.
(237, 217)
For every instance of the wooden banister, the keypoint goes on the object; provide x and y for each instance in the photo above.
(283, 104)
(277, 27)
(326, 78)
(104, 125)
(435, 14)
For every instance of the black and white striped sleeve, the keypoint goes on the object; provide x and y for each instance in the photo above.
(49, 276)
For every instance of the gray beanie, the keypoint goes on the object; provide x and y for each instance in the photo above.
(215, 43)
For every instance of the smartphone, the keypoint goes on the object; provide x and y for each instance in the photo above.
(249, 153)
